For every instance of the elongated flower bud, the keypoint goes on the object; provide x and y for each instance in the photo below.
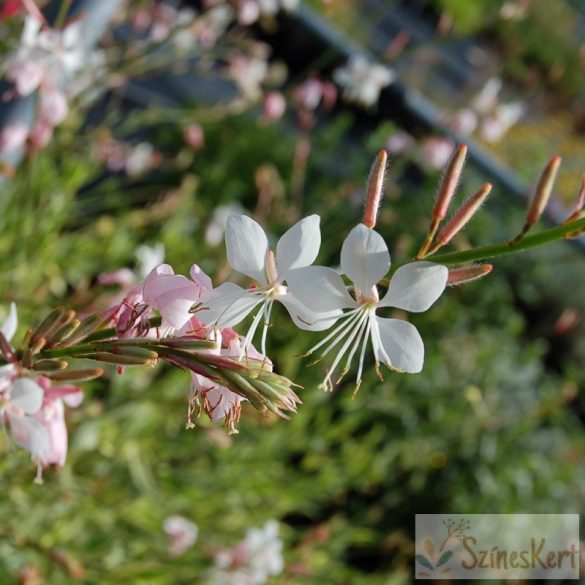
(375, 186)
(86, 327)
(47, 325)
(63, 332)
(49, 366)
(543, 191)
(450, 182)
(81, 375)
(463, 215)
(465, 274)
(127, 356)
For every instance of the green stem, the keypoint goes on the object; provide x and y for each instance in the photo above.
(494, 250)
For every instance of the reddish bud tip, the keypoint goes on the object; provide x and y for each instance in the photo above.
(375, 186)
(450, 181)
(463, 215)
(465, 274)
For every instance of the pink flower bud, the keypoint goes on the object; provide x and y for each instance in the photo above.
(463, 215)
(449, 183)
(274, 106)
(375, 186)
(465, 274)
(194, 136)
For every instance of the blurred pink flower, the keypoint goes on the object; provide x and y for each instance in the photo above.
(274, 106)
(53, 107)
(194, 136)
(40, 135)
(436, 152)
(13, 137)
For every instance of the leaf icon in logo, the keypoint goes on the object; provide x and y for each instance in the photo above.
(424, 562)
(444, 557)
(430, 549)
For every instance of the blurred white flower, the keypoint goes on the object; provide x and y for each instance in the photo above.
(494, 127)
(139, 159)
(362, 81)
(182, 532)
(253, 560)
(12, 137)
(46, 54)
(149, 257)
(487, 99)
(215, 229)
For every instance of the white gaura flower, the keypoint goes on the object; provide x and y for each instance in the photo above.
(365, 260)
(248, 252)
(362, 81)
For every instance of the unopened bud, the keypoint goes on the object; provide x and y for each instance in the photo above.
(85, 328)
(77, 375)
(542, 191)
(185, 343)
(450, 182)
(375, 186)
(63, 332)
(127, 356)
(49, 365)
(46, 326)
(462, 216)
(465, 274)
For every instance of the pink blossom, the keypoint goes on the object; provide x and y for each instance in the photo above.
(27, 76)
(131, 316)
(53, 107)
(219, 402)
(173, 294)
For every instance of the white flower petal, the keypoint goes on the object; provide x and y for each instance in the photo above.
(319, 288)
(246, 247)
(416, 286)
(227, 305)
(8, 328)
(27, 395)
(306, 319)
(401, 343)
(299, 246)
(364, 257)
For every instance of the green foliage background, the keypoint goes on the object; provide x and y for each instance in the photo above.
(489, 426)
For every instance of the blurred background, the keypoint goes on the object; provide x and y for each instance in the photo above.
(177, 115)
